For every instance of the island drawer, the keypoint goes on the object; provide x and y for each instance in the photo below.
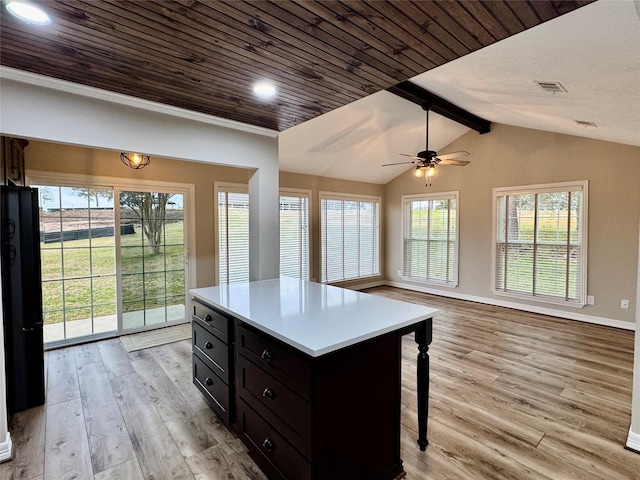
(214, 321)
(288, 412)
(212, 351)
(216, 392)
(290, 367)
(275, 455)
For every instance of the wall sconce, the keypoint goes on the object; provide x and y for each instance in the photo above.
(135, 160)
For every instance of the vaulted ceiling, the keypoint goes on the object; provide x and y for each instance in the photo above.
(205, 55)
(594, 52)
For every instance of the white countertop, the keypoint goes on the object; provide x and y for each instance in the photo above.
(312, 317)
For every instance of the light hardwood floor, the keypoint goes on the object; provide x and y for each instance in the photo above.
(513, 396)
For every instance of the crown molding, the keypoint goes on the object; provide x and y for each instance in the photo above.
(29, 78)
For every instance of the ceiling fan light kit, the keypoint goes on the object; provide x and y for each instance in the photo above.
(427, 160)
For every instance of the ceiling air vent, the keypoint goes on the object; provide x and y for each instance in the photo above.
(552, 87)
(585, 124)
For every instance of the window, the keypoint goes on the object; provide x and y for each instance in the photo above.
(430, 246)
(233, 233)
(350, 236)
(541, 242)
(294, 234)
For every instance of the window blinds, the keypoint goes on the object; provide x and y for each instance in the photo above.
(430, 238)
(294, 235)
(350, 238)
(233, 237)
(540, 243)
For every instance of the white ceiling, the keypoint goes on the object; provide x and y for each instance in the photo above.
(594, 52)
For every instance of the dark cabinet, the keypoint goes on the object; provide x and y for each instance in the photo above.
(336, 416)
(21, 297)
(213, 359)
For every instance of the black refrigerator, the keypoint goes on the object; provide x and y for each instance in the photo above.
(22, 297)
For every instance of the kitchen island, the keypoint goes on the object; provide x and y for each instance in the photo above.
(309, 375)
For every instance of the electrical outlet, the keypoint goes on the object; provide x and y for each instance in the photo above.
(591, 300)
(399, 272)
(624, 303)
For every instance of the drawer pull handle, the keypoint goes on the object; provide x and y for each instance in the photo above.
(267, 356)
(208, 381)
(268, 445)
(208, 318)
(208, 345)
(268, 394)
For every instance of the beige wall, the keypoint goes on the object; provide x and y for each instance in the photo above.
(61, 158)
(323, 184)
(511, 156)
(506, 156)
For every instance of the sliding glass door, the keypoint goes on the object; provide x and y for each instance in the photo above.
(151, 258)
(78, 262)
(113, 261)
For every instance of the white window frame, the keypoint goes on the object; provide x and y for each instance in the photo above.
(217, 188)
(406, 200)
(302, 193)
(582, 185)
(353, 198)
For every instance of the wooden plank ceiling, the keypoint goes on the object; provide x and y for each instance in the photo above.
(205, 55)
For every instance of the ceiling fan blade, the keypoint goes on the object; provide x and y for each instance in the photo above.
(454, 161)
(397, 163)
(411, 156)
(460, 153)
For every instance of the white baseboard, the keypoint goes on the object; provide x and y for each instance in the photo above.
(607, 322)
(633, 441)
(362, 286)
(6, 449)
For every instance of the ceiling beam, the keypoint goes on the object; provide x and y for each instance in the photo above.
(429, 101)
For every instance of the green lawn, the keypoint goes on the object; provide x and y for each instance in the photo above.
(89, 282)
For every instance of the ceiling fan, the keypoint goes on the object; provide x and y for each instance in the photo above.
(427, 160)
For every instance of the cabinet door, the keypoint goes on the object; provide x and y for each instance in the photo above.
(212, 351)
(212, 320)
(290, 367)
(270, 450)
(283, 408)
(215, 391)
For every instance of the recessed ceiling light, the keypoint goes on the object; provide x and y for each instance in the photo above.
(28, 12)
(264, 90)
